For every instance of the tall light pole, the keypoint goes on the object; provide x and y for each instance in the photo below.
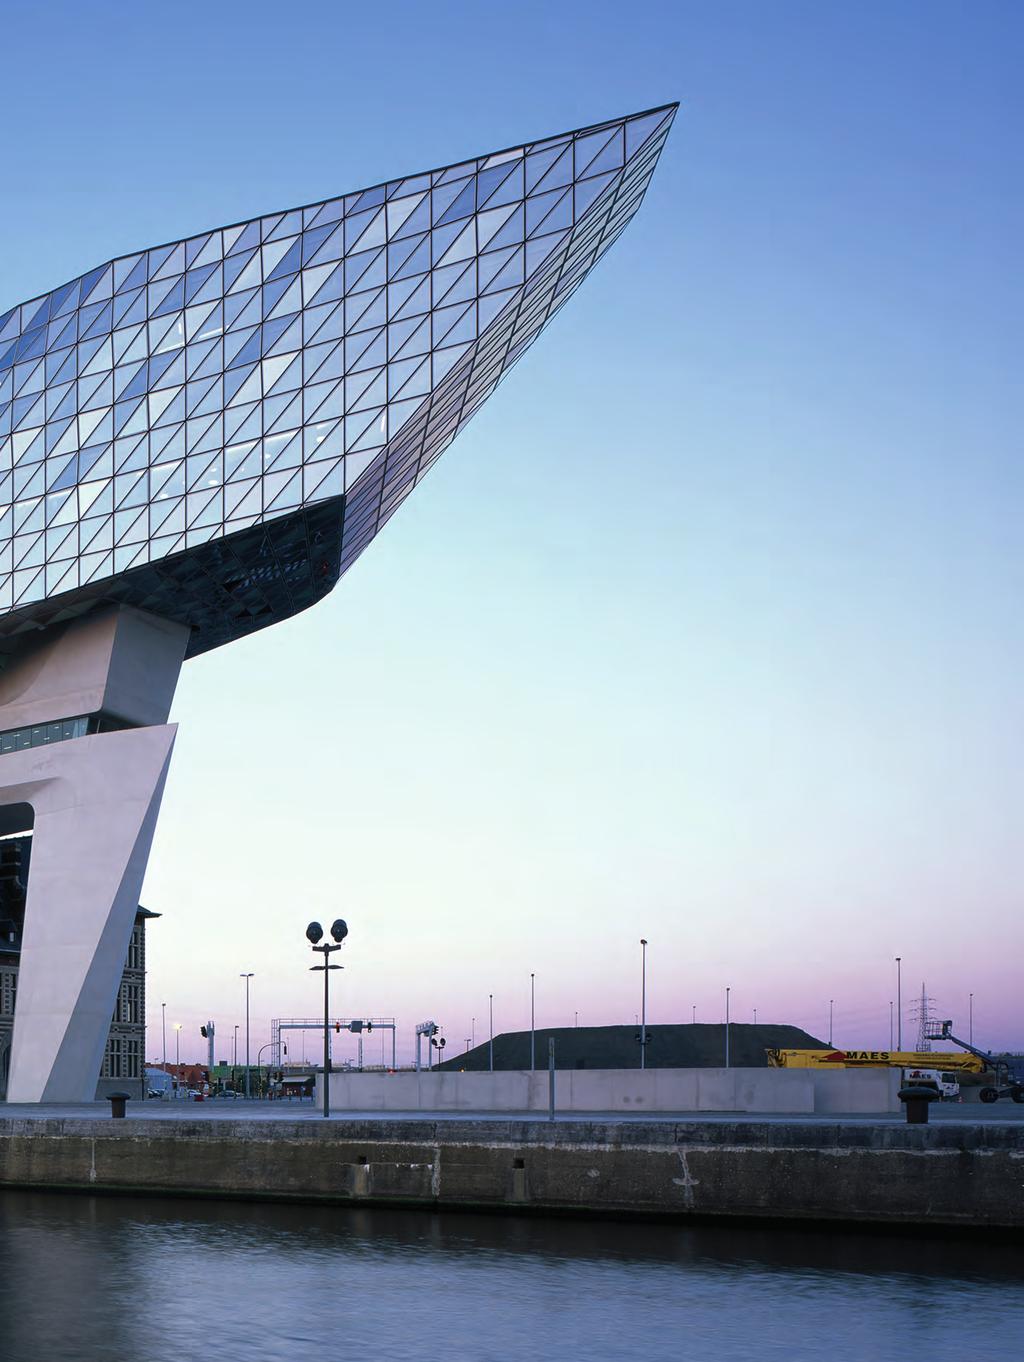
(970, 1017)
(490, 1005)
(533, 1034)
(643, 1002)
(727, 991)
(576, 1019)
(755, 1016)
(234, 1057)
(890, 1025)
(693, 1018)
(472, 1032)
(314, 932)
(247, 977)
(830, 1003)
(899, 1003)
(163, 1026)
(177, 1057)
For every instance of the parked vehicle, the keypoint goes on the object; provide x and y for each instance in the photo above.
(946, 1083)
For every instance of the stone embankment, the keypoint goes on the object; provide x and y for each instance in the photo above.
(946, 1174)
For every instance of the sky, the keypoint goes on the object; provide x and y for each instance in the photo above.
(707, 628)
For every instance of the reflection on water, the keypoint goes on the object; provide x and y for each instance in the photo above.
(85, 1279)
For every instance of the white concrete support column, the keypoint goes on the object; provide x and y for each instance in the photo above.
(92, 803)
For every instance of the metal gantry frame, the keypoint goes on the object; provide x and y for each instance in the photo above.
(430, 1030)
(355, 1025)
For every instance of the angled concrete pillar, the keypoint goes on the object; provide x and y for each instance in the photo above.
(92, 803)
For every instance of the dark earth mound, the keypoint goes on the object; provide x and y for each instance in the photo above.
(618, 1047)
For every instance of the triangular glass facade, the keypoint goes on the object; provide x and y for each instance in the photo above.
(214, 429)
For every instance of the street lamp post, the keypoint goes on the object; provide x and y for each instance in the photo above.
(533, 1033)
(727, 992)
(899, 1003)
(163, 1027)
(247, 977)
(177, 1058)
(643, 1002)
(234, 1056)
(314, 932)
(890, 1025)
(490, 1004)
(830, 1004)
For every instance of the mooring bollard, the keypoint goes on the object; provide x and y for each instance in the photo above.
(117, 1101)
(916, 1100)
(551, 1078)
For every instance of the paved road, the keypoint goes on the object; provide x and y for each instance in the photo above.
(964, 1113)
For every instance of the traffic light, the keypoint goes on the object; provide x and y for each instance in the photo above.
(203, 1032)
(337, 1028)
(369, 1026)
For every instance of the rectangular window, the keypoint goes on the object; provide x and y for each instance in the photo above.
(39, 735)
(113, 1060)
(128, 1011)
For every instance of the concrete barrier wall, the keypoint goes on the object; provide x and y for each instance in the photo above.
(848, 1091)
(882, 1171)
(852, 1091)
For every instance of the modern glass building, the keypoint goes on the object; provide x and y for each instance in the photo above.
(196, 440)
(214, 429)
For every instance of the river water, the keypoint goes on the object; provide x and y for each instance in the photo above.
(87, 1279)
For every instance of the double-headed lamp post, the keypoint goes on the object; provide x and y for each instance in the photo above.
(314, 933)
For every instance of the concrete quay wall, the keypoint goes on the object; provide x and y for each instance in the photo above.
(885, 1173)
(791, 1091)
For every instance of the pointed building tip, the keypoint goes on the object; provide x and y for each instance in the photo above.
(672, 104)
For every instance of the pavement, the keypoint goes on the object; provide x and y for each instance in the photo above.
(969, 1114)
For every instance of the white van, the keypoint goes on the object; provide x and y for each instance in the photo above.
(947, 1085)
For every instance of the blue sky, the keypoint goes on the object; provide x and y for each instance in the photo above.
(707, 628)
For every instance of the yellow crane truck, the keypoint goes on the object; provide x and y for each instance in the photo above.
(936, 1069)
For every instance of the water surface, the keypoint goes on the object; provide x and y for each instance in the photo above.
(86, 1279)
